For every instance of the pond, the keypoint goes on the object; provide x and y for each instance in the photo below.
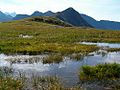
(110, 45)
(67, 70)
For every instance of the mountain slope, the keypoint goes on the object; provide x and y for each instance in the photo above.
(73, 17)
(4, 17)
(70, 16)
(13, 14)
(20, 16)
(109, 25)
(103, 24)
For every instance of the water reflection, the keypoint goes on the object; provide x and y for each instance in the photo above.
(68, 70)
(110, 45)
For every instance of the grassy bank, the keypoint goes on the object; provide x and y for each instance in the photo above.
(107, 75)
(113, 49)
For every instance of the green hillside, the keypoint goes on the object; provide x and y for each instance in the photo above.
(36, 36)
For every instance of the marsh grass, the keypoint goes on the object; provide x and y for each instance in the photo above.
(55, 58)
(27, 59)
(107, 75)
(77, 56)
(5, 71)
(22, 82)
(113, 49)
(45, 83)
(49, 38)
(100, 71)
(7, 82)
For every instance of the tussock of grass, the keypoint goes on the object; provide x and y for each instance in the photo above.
(77, 56)
(53, 59)
(113, 49)
(5, 71)
(104, 75)
(100, 71)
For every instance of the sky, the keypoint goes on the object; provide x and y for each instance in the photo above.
(98, 9)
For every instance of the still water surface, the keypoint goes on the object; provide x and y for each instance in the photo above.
(68, 70)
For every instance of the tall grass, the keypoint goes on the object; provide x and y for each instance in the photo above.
(107, 75)
(53, 59)
(100, 71)
(22, 82)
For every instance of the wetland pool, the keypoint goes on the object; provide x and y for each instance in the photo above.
(67, 70)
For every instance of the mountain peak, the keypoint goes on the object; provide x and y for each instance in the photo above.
(73, 17)
(70, 9)
(2, 13)
(37, 13)
(4, 17)
(48, 13)
(13, 14)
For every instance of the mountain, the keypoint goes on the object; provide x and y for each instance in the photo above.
(70, 16)
(4, 17)
(37, 13)
(103, 24)
(20, 16)
(13, 14)
(49, 13)
(110, 25)
(73, 17)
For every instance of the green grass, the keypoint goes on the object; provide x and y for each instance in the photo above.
(53, 59)
(100, 72)
(49, 38)
(113, 49)
(104, 75)
(76, 56)
(45, 38)
(9, 83)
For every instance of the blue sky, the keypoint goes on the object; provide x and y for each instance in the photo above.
(98, 9)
